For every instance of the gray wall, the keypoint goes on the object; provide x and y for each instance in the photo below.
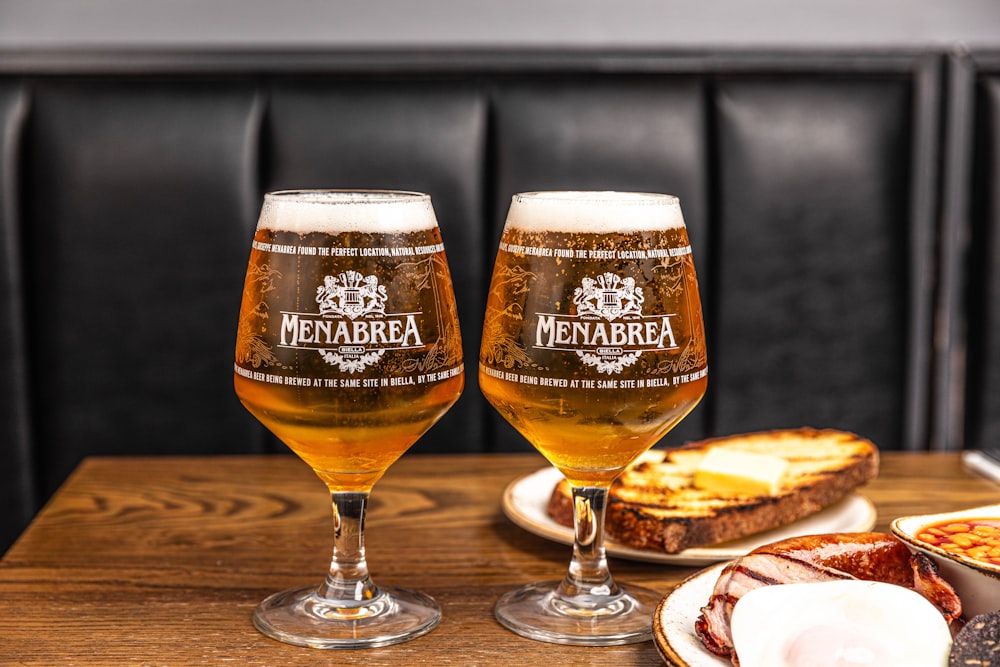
(704, 24)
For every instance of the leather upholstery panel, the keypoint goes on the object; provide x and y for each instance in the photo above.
(136, 256)
(812, 262)
(17, 469)
(982, 392)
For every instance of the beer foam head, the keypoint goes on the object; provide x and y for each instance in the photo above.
(594, 212)
(338, 211)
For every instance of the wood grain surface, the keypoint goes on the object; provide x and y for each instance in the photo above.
(159, 562)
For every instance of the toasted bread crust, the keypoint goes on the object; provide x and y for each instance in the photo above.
(654, 505)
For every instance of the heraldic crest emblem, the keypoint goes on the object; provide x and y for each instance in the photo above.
(351, 295)
(608, 296)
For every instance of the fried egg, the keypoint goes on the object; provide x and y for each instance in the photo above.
(845, 623)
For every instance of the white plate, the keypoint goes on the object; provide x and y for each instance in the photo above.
(526, 499)
(673, 625)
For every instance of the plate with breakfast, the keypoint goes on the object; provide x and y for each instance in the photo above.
(673, 623)
(840, 598)
(715, 499)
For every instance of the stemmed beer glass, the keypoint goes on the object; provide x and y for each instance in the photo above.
(348, 350)
(593, 348)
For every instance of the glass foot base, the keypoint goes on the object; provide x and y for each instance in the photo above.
(538, 612)
(303, 618)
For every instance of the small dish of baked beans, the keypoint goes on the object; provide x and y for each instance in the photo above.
(978, 539)
(965, 547)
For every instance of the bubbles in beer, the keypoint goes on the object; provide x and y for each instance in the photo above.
(594, 212)
(335, 212)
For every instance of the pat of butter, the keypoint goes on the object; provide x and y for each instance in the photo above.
(730, 471)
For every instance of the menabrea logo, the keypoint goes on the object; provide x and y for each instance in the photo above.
(352, 295)
(609, 296)
(352, 330)
(609, 330)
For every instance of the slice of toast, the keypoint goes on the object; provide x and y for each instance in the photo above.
(655, 505)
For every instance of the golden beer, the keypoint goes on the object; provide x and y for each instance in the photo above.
(348, 350)
(346, 419)
(589, 417)
(593, 348)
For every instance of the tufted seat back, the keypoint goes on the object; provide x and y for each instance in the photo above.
(812, 188)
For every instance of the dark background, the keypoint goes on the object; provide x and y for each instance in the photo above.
(838, 165)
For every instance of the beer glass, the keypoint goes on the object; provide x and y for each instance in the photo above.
(593, 348)
(348, 350)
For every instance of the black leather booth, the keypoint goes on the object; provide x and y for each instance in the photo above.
(831, 199)
(979, 398)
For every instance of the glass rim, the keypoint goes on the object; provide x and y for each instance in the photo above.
(334, 196)
(339, 211)
(594, 212)
(595, 196)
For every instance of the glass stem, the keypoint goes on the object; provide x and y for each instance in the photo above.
(588, 583)
(348, 582)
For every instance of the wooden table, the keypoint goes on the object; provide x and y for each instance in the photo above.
(159, 562)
